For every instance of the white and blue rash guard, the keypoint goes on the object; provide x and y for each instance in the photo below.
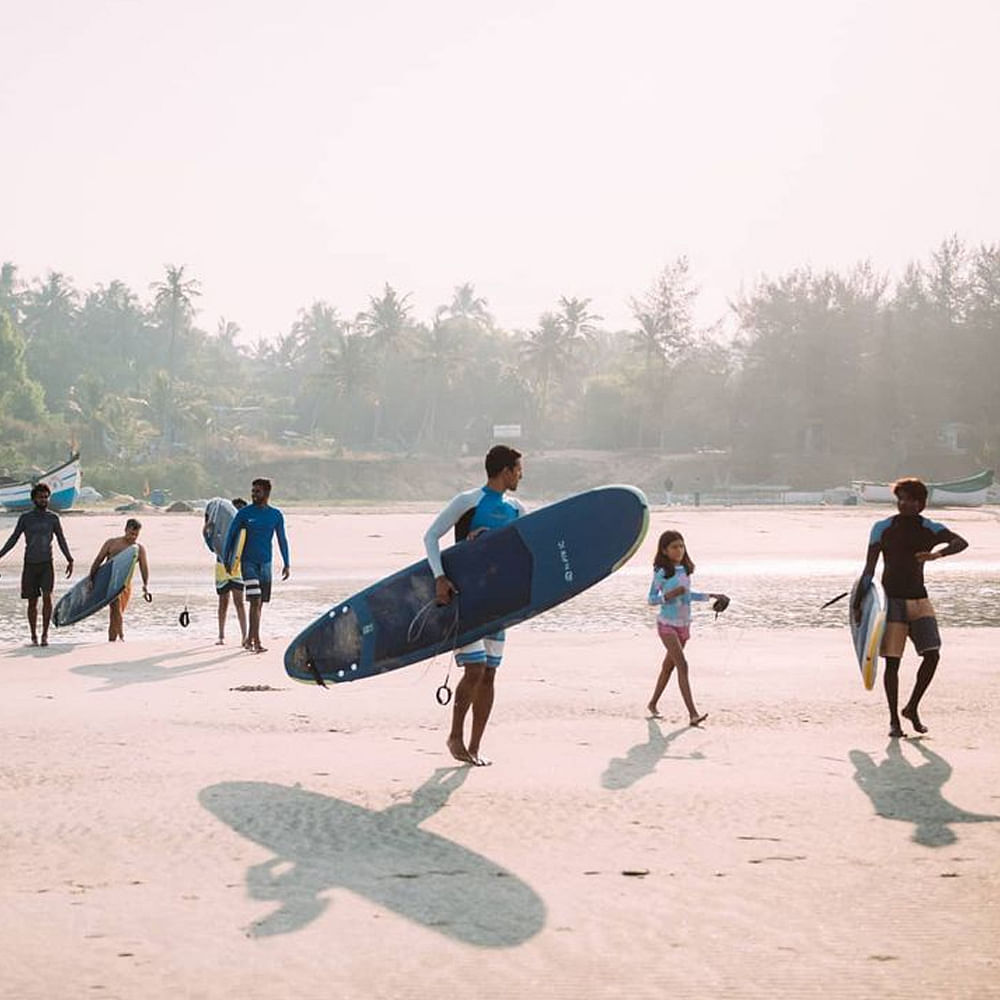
(481, 507)
(677, 610)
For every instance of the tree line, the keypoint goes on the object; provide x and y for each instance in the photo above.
(852, 368)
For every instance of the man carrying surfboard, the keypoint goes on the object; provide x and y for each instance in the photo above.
(111, 548)
(39, 526)
(261, 522)
(470, 513)
(906, 541)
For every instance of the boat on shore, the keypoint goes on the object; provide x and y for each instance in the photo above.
(63, 481)
(968, 492)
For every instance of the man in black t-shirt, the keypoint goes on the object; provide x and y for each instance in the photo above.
(906, 541)
(39, 525)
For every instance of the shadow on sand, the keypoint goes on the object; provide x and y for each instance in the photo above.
(321, 843)
(641, 760)
(912, 793)
(124, 672)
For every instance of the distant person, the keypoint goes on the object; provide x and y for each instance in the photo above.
(227, 584)
(262, 522)
(671, 590)
(470, 513)
(668, 491)
(39, 526)
(906, 541)
(111, 548)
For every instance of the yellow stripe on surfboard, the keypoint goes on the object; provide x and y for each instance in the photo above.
(872, 649)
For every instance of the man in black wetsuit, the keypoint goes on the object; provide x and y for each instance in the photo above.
(906, 541)
(38, 526)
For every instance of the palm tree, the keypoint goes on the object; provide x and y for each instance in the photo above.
(440, 351)
(352, 370)
(386, 320)
(465, 304)
(579, 324)
(174, 301)
(545, 352)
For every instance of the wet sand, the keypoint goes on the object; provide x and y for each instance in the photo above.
(179, 819)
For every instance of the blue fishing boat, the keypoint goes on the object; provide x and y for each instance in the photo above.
(63, 481)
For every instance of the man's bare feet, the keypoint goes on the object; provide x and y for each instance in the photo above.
(654, 712)
(895, 730)
(34, 640)
(697, 720)
(258, 648)
(457, 749)
(479, 760)
(45, 640)
(911, 714)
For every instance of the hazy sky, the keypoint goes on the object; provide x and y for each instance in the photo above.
(317, 149)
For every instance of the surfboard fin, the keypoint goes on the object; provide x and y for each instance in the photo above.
(314, 670)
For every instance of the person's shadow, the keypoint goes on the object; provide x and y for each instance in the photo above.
(912, 793)
(322, 843)
(154, 668)
(641, 760)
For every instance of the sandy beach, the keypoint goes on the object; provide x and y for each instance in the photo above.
(179, 819)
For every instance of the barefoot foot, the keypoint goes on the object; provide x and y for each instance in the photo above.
(697, 720)
(896, 731)
(457, 749)
(911, 714)
(654, 712)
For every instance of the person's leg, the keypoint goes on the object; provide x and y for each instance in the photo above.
(925, 674)
(223, 608)
(46, 615)
(241, 614)
(33, 619)
(253, 629)
(666, 669)
(115, 627)
(465, 694)
(675, 648)
(890, 681)
(482, 705)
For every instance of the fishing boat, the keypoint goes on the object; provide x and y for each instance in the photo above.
(63, 481)
(968, 492)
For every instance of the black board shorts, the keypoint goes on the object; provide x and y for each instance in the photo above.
(913, 618)
(37, 579)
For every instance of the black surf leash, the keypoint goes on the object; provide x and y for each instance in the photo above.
(833, 600)
(720, 604)
(443, 693)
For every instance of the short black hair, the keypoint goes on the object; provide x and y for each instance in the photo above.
(912, 487)
(265, 484)
(40, 488)
(133, 522)
(239, 502)
(500, 457)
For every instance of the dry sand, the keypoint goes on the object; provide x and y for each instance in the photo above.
(168, 829)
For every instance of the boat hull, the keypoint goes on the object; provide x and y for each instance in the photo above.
(64, 483)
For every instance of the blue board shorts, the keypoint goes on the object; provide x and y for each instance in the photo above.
(910, 617)
(488, 650)
(257, 580)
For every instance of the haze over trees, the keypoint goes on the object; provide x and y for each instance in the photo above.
(854, 369)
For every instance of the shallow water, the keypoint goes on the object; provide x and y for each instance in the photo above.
(781, 594)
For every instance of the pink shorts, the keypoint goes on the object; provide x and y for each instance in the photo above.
(683, 632)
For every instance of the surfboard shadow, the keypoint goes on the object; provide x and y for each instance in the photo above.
(641, 760)
(911, 793)
(322, 843)
(148, 671)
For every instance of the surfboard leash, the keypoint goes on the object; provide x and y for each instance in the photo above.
(443, 693)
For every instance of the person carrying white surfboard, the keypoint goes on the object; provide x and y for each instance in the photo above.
(261, 522)
(906, 541)
(111, 548)
(471, 513)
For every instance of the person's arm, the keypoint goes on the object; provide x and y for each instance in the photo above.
(144, 569)
(15, 535)
(868, 573)
(101, 556)
(279, 529)
(61, 539)
(953, 544)
(444, 522)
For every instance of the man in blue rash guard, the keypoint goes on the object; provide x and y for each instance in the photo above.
(906, 541)
(262, 522)
(470, 513)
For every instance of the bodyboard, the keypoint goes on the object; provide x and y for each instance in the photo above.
(866, 635)
(86, 597)
(503, 577)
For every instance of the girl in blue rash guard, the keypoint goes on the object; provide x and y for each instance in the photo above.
(671, 590)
